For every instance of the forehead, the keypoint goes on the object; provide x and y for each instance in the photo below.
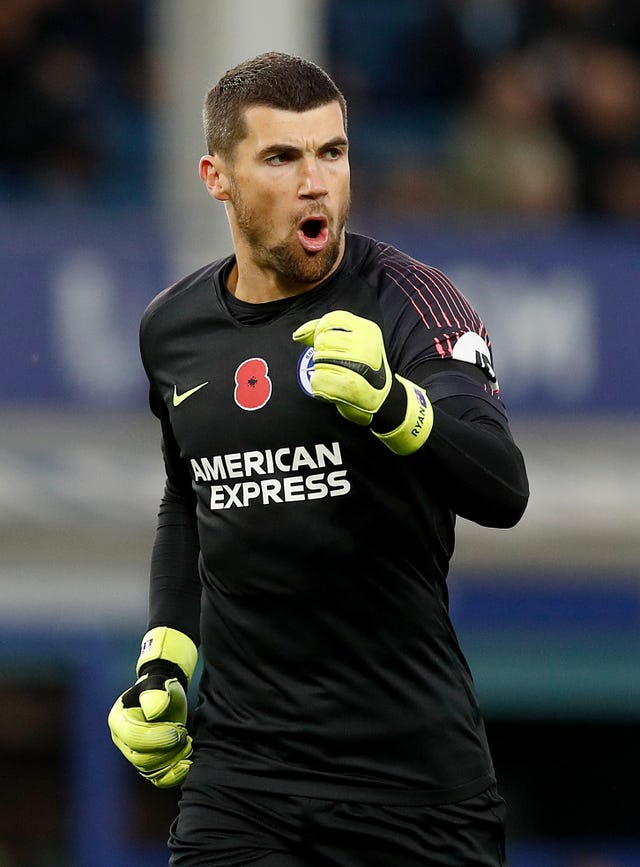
(267, 125)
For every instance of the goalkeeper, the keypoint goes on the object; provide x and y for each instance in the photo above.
(328, 406)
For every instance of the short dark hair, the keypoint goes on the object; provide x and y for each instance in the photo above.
(273, 79)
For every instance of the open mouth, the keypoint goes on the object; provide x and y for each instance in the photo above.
(312, 228)
(314, 233)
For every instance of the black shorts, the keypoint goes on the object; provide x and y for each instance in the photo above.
(225, 827)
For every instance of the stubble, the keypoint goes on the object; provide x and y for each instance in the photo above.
(293, 264)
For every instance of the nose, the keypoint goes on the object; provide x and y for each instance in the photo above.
(312, 185)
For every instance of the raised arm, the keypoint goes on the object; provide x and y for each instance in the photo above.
(443, 418)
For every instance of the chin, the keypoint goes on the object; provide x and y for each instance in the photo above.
(297, 266)
(319, 265)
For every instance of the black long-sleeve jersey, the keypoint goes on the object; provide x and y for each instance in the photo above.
(309, 561)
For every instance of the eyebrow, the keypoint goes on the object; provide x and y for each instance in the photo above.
(275, 149)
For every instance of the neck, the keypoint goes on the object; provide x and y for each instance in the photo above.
(257, 285)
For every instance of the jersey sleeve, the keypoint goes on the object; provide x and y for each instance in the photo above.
(472, 458)
(428, 320)
(436, 339)
(174, 582)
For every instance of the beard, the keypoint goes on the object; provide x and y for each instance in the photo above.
(288, 259)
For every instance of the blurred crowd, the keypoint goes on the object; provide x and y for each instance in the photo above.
(504, 107)
(498, 107)
(74, 100)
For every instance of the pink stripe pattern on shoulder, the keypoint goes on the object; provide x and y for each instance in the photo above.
(438, 303)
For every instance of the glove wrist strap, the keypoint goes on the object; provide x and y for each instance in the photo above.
(393, 411)
(165, 643)
(164, 669)
(415, 427)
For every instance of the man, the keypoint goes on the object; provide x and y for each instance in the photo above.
(328, 405)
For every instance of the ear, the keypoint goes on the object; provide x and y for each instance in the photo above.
(214, 177)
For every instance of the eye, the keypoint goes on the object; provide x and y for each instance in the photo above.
(333, 153)
(279, 159)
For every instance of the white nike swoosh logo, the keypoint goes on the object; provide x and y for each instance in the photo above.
(178, 398)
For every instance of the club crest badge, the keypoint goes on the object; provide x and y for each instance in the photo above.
(305, 369)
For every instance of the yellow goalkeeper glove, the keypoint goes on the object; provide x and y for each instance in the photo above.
(148, 721)
(350, 370)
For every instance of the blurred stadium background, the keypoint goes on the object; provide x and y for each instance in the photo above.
(496, 139)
